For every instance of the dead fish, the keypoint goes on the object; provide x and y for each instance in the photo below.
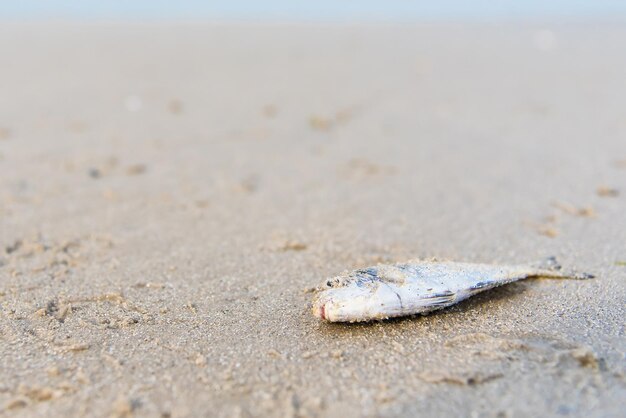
(418, 287)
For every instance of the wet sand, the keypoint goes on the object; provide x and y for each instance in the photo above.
(168, 193)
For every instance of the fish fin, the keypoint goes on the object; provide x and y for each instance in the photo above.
(441, 299)
(550, 267)
(483, 285)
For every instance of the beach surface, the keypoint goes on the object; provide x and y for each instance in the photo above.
(171, 193)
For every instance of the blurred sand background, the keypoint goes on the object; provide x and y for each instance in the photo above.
(168, 193)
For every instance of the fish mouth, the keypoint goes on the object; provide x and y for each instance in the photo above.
(322, 312)
(319, 309)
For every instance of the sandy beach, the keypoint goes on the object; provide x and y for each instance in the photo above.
(171, 193)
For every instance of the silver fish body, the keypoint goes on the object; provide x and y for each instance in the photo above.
(418, 287)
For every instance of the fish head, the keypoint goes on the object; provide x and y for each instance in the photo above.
(342, 304)
(353, 300)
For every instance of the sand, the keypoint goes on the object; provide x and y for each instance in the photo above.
(168, 193)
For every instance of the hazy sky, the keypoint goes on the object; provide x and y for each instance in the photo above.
(311, 9)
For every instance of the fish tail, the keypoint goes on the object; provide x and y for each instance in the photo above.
(550, 267)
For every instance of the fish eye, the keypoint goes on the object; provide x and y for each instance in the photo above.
(329, 283)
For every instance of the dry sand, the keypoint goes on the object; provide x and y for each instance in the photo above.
(168, 193)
